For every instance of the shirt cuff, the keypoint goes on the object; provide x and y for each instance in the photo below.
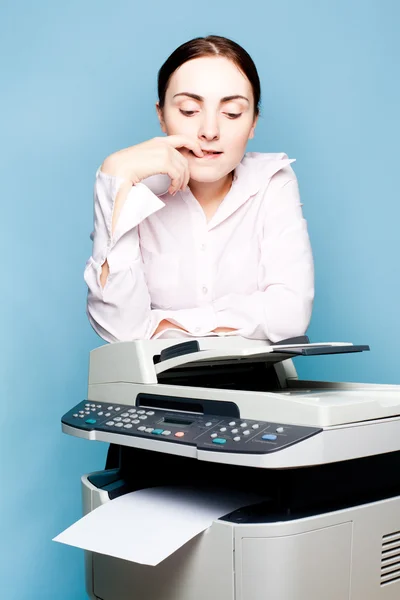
(139, 204)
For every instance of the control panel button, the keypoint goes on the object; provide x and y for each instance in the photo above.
(117, 408)
(246, 432)
(219, 441)
(243, 424)
(110, 423)
(132, 410)
(128, 426)
(100, 414)
(110, 408)
(280, 430)
(166, 432)
(149, 430)
(209, 423)
(93, 405)
(255, 426)
(126, 420)
(91, 421)
(214, 435)
(136, 421)
(117, 419)
(119, 424)
(150, 413)
(108, 414)
(223, 429)
(125, 414)
(157, 431)
(271, 437)
(232, 424)
(143, 417)
(234, 430)
(237, 438)
(141, 412)
(75, 415)
(142, 428)
(179, 434)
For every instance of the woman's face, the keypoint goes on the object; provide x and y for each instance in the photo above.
(210, 100)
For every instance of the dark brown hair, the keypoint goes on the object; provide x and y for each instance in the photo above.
(212, 45)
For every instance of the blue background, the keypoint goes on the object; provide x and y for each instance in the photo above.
(79, 82)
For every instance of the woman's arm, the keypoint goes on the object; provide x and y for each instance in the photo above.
(118, 303)
(282, 307)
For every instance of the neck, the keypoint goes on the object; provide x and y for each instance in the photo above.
(212, 193)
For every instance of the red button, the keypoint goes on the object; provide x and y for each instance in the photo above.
(179, 434)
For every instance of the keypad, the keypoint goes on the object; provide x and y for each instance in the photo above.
(206, 432)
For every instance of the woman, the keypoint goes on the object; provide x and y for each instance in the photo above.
(193, 237)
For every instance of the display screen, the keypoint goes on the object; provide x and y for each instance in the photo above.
(178, 421)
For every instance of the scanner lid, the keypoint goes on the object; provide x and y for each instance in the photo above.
(194, 352)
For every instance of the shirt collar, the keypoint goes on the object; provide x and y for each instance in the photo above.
(252, 173)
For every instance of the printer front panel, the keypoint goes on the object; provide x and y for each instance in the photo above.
(205, 432)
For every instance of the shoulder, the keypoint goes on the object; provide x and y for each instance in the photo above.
(262, 169)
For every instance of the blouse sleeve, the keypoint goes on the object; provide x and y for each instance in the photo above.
(121, 310)
(281, 308)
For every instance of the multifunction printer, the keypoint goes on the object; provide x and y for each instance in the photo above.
(323, 457)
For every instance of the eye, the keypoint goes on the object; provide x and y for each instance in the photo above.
(188, 113)
(233, 115)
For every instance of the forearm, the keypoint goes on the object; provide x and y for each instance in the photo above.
(119, 202)
(274, 314)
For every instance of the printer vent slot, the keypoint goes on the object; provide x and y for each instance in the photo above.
(390, 558)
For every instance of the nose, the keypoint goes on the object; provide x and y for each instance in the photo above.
(209, 128)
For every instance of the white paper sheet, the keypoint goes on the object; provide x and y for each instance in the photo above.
(148, 525)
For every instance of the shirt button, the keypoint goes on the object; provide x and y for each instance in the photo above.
(197, 329)
(205, 290)
(203, 247)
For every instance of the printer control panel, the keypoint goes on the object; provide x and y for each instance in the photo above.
(206, 432)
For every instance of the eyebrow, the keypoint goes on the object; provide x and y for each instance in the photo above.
(224, 99)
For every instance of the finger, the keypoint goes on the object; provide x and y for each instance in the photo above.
(186, 172)
(175, 174)
(183, 141)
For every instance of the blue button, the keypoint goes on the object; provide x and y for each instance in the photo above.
(91, 421)
(157, 431)
(269, 436)
(219, 441)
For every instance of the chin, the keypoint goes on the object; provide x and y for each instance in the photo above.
(207, 175)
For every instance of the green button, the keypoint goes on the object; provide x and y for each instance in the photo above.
(157, 431)
(91, 421)
(219, 441)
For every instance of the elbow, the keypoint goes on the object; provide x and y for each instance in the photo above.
(113, 324)
(292, 318)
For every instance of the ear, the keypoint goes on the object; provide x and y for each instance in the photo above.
(253, 129)
(160, 117)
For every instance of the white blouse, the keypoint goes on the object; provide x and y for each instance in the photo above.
(249, 268)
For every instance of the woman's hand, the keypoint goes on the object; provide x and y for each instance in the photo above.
(155, 156)
(164, 324)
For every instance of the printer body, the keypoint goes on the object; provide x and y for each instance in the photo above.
(323, 456)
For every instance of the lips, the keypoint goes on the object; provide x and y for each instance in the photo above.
(208, 154)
